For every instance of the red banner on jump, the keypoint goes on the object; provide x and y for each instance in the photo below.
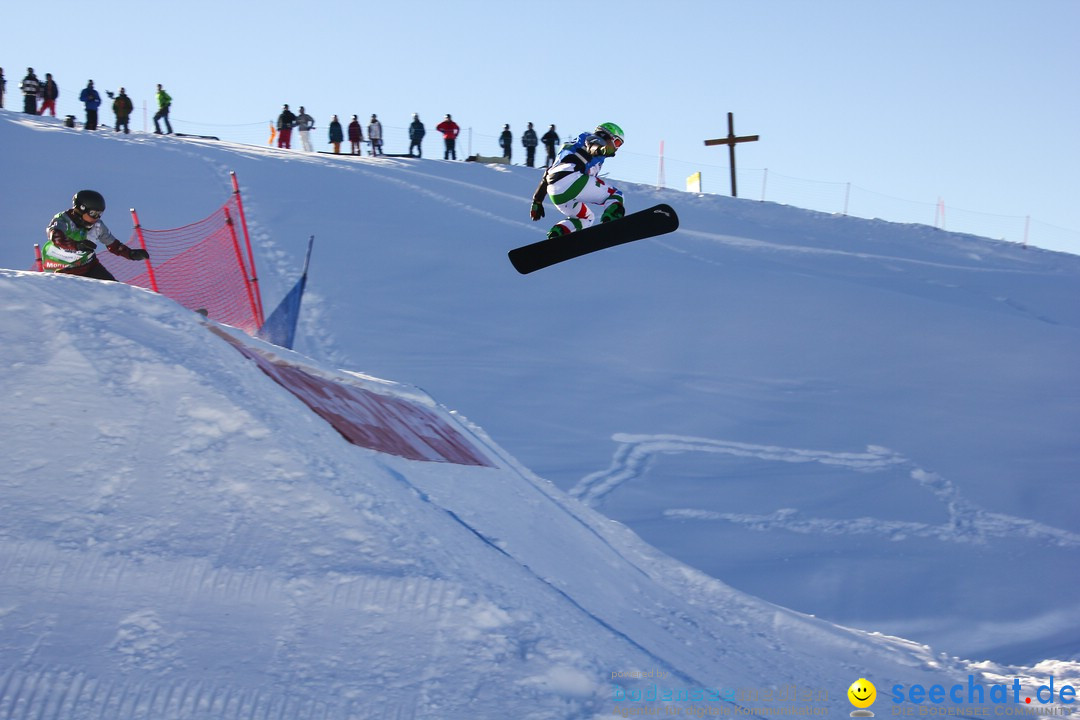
(385, 423)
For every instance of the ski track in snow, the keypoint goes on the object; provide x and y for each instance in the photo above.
(966, 523)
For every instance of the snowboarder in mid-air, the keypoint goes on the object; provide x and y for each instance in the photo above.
(573, 182)
(71, 247)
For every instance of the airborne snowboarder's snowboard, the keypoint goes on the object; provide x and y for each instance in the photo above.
(656, 220)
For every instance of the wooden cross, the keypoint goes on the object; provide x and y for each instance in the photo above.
(730, 141)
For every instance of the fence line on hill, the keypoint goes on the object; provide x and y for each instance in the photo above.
(754, 183)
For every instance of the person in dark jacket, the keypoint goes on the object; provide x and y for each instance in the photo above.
(529, 140)
(3, 88)
(90, 98)
(30, 86)
(49, 92)
(285, 123)
(416, 135)
(356, 136)
(336, 135)
(122, 107)
(550, 140)
(506, 142)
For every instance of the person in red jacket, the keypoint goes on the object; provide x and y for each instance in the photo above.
(356, 136)
(450, 131)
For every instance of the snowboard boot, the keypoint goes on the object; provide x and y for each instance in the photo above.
(614, 211)
(559, 230)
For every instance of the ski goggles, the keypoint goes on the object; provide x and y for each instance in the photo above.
(616, 141)
(92, 213)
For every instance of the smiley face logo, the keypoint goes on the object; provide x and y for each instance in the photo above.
(862, 693)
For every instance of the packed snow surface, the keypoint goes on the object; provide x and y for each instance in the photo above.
(816, 434)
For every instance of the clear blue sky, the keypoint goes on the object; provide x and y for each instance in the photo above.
(970, 101)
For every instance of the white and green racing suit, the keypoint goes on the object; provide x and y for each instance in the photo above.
(574, 185)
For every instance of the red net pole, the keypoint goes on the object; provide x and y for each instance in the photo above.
(37, 258)
(240, 261)
(247, 242)
(142, 243)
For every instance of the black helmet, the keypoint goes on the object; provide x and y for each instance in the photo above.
(87, 200)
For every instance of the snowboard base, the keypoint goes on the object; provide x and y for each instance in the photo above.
(657, 220)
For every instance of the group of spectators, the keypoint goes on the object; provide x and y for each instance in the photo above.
(530, 141)
(47, 91)
(354, 131)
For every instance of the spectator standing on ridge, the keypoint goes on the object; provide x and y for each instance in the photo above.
(305, 124)
(92, 100)
(30, 86)
(336, 135)
(416, 135)
(528, 139)
(450, 131)
(506, 141)
(356, 136)
(73, 237)
(49, 92)
(550, 140)
(3, 88)
(374, 134)
(285, 122)
(164, 103)
(122, 107)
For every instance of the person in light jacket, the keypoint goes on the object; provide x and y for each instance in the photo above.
(374, 134)
(305, 124)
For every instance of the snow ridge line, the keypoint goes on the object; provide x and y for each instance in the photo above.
(773, 247)
(967, 522)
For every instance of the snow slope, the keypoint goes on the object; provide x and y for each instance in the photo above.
(871, 422)
(189, 541)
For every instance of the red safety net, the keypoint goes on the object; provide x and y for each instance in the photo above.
(206, 266)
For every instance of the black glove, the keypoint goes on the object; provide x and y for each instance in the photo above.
(537, 210)
(138, 254)
(85, 245)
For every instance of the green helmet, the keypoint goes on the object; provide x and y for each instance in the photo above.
(613, 131)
